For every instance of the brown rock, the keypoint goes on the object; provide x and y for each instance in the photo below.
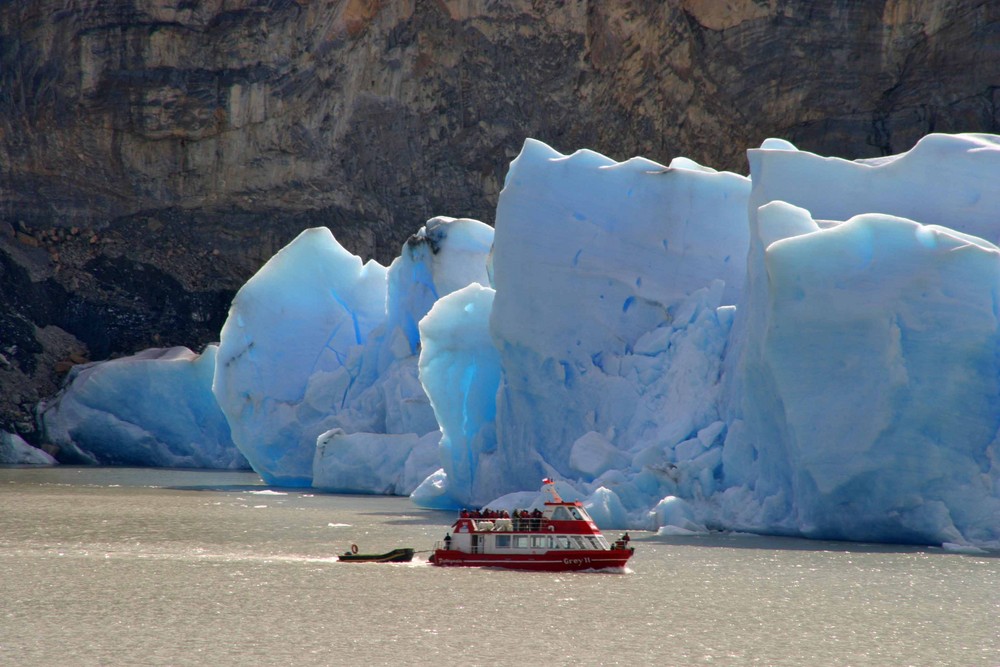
(27, 239)
(64, 366)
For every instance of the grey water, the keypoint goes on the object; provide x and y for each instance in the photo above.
(105, 566)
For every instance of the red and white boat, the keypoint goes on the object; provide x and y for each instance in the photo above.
(564, 538)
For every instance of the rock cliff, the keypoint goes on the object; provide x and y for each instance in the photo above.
(154, 153)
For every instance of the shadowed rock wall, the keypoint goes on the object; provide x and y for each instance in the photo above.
(154, 153)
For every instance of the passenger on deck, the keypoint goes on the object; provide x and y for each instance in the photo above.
(447, 541)
(464, 514)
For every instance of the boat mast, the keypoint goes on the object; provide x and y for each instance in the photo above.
(550, 486)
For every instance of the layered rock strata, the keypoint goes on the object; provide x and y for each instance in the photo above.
(153, 154)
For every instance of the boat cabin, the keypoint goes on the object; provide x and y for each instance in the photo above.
(560, 537)
(561, 526)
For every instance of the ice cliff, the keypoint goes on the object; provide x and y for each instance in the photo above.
(863, 397)
(151, 409)
(318, 341)
(808, 351)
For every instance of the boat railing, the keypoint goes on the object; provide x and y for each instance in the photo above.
(514, 525)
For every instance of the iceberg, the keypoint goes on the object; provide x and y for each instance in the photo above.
(605, 508)
(841, 382)
(863, 395)
(319, 345)
(610, 318)
(460, 369)
(15, 451)
(809, 351)
(154, 408)
(386, 464)
(675, 516)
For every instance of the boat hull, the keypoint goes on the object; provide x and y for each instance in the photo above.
(551, 561)
(394, 556)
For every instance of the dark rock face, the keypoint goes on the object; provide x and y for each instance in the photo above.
(154, 154)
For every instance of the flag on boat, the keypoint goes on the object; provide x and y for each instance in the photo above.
(547, 481)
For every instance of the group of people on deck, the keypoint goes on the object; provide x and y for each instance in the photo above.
(622, 542)
(519, 520)
(489, 514)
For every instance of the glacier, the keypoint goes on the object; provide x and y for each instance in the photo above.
(870, 395)
(15, 451)
(809, 351)
(154, 408)
(862, 379)
(294, 333)
(839, 381)
(460, 370)
(319, 345)
(598, 288)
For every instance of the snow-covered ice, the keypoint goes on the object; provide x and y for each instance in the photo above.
(947, 180)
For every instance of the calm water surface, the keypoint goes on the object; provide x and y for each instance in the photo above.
(163, 567)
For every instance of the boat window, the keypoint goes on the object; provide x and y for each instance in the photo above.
(522, 541)
(561, 514)
(579, 542)
(541, 542)
(503, 541)
(576, 514)
(593, 542)
(602, 543)
(562, 542)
